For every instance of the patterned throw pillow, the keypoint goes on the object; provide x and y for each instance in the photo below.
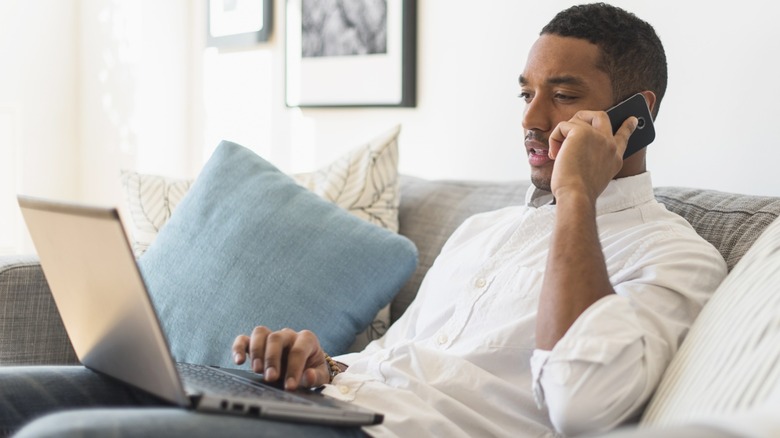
(364, 182)
(150, 201)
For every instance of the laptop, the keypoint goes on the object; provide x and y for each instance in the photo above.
(108, 315)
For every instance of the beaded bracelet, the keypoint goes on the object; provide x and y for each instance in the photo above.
(334, 367)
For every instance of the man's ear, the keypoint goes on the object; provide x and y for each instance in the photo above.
(650, 98)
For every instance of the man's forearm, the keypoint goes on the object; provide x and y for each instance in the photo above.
(576, 274)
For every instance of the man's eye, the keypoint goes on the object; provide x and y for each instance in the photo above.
(564, 97)
(525, 96)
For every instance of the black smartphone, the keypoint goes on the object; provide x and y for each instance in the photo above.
(644, 134)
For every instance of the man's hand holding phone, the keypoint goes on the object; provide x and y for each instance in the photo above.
(587, 155)
(620, 132)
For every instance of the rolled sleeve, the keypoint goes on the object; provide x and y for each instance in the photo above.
(595, 376)
(603, 371)
(601, 333)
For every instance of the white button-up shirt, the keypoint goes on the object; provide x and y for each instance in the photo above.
(462, 361)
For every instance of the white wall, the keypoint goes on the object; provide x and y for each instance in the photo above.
(93, 86)
(714, 128)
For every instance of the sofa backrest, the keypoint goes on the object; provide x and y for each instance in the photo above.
(431, 210)
(731, 222)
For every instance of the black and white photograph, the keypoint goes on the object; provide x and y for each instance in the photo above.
(343, 27)
(350, 53)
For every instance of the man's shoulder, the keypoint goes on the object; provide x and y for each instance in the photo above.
(652, 224)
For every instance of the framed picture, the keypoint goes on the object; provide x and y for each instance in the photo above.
(233, 23)
(351, 53)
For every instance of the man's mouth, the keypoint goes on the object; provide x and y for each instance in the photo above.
(538, 154)
(538, 150)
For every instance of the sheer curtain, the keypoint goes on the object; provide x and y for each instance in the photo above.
(12, 235)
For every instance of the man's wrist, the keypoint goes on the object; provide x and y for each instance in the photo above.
(334, 368)
(570, 195)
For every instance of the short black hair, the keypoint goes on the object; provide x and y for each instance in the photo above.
(632, 53)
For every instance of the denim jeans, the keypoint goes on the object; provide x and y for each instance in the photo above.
(66, 401)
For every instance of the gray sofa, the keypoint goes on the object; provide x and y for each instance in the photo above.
(31, 331)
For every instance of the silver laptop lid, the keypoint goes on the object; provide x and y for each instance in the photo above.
(101, 296)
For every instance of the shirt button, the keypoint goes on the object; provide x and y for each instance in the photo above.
(480, 283)
(442, 339)
(344, 389)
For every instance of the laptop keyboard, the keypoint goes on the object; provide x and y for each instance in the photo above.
(208, 379)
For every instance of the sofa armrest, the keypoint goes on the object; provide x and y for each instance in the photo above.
(31, 331)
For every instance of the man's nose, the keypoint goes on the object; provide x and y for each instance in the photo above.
(536, 115)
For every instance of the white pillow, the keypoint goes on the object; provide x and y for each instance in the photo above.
(728, 363)
(364, 182)
(150, 201)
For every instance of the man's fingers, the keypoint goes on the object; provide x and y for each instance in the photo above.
(624, 132)
(557, 137)
(304, 354)
(257, 347)
(562, 130)
(240, 347)
(589, 117)
(277, 344)
(597, 119)
(296, 356)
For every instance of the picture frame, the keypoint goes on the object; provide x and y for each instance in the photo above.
(237, 23)
(367, 59)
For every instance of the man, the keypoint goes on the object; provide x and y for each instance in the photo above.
(555, 317)
(602, 285)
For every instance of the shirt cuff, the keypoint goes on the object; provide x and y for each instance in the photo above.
(347, 359)
(538, 360)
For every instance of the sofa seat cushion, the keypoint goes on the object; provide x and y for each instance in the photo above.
(728, 362)
(248, 246)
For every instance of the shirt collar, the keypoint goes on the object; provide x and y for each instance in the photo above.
(620, 194)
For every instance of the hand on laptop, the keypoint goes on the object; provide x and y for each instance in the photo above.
(269, 350)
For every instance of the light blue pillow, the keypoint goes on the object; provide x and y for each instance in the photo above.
(248, 246)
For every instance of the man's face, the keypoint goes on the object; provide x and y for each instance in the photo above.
(560, 78)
